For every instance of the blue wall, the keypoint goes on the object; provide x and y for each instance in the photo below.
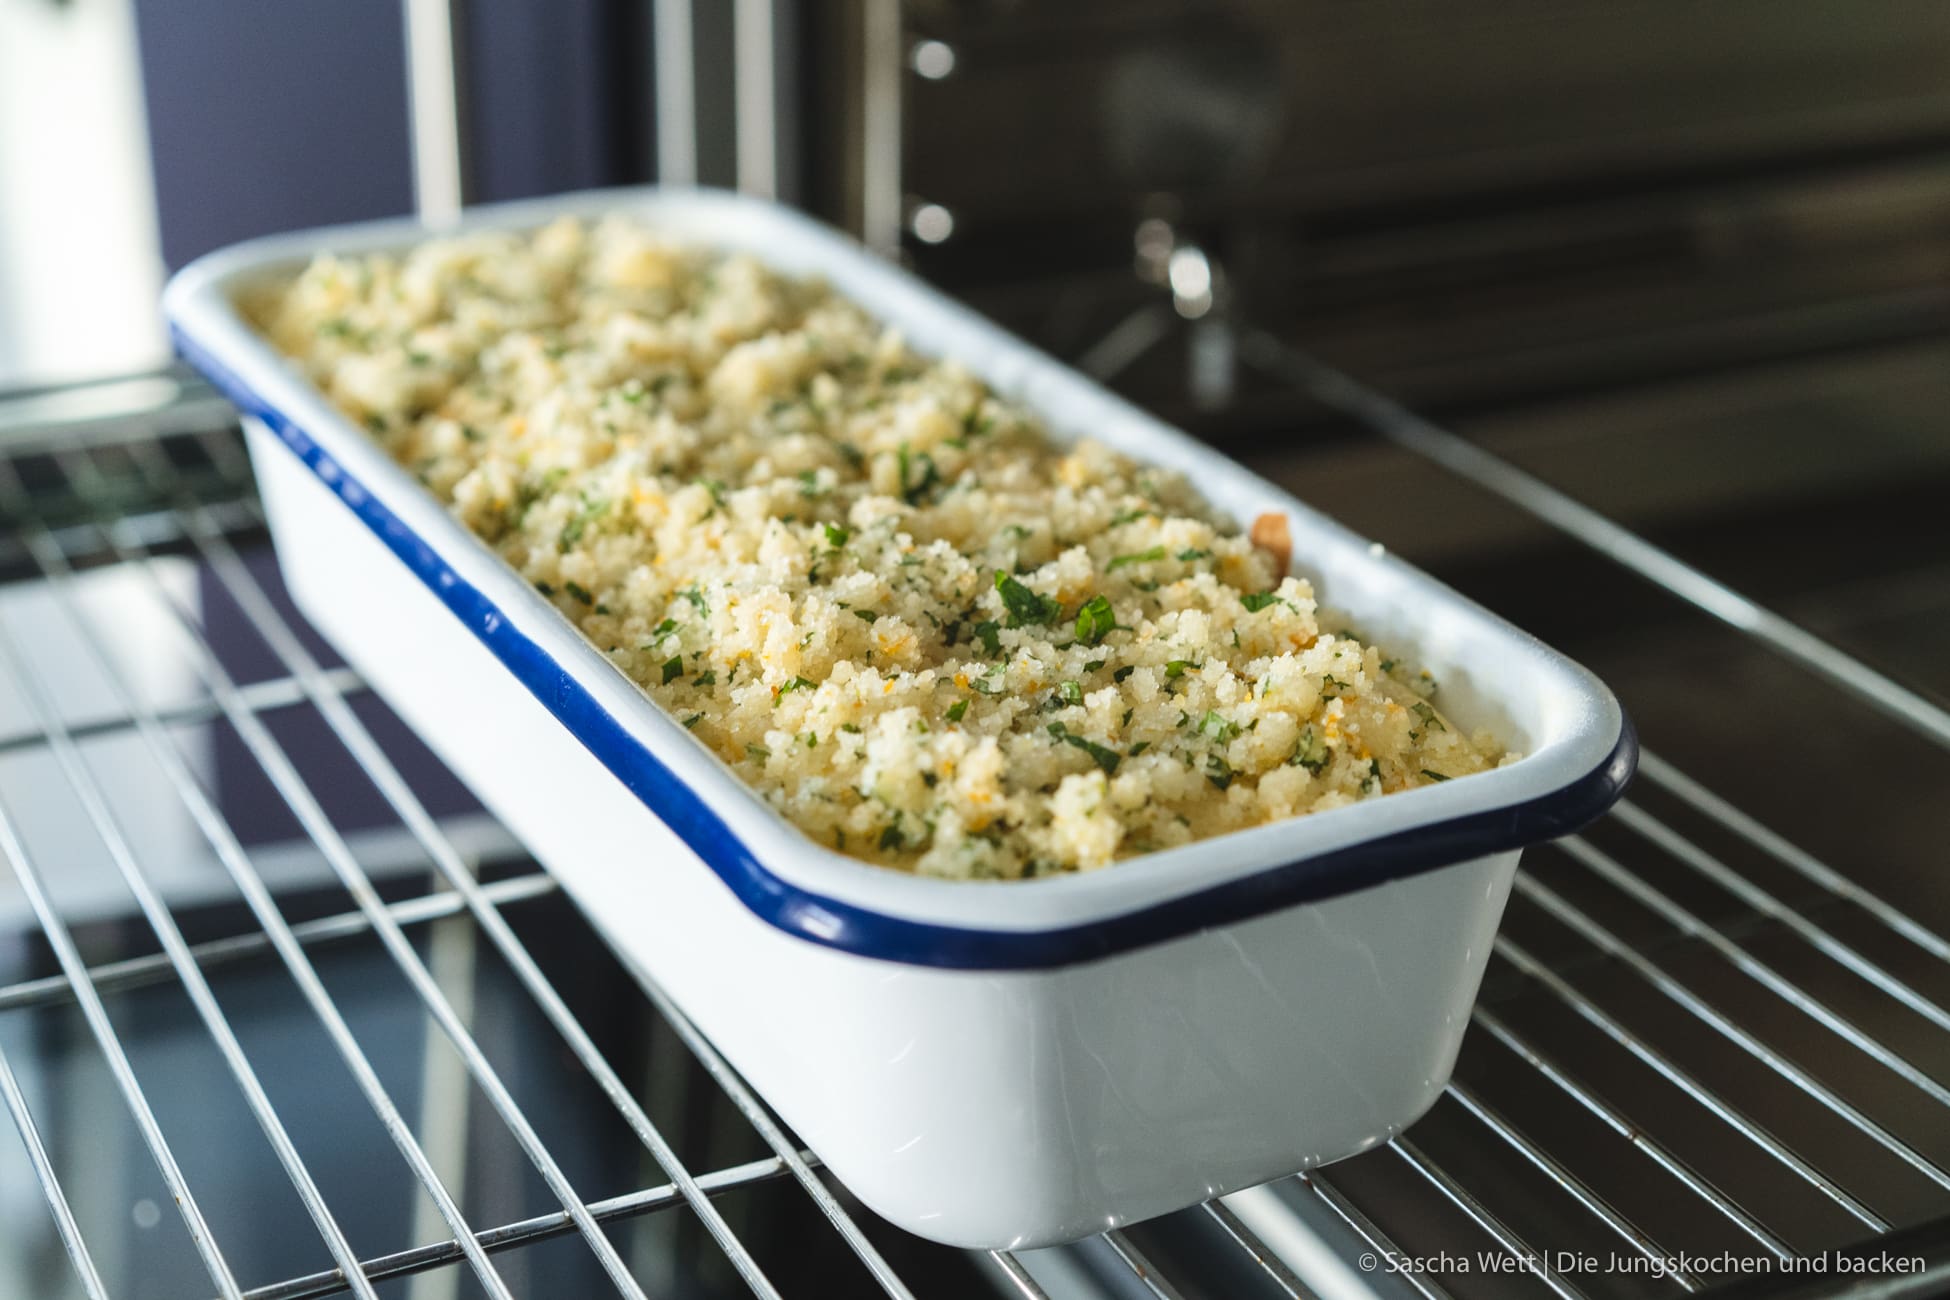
(271, 116)
(264, 117)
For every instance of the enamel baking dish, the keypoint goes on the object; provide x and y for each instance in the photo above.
(991, 1064)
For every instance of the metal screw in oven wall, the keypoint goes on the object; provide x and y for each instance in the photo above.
(1197, 284)
(1187, 124)
(1212, 347)
(1151, 247)
(1194, 281)
(932, 60)
(929, 222)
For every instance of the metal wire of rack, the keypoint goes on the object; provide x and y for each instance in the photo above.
(1650, 1071)
(91, 526)
(1881, 949)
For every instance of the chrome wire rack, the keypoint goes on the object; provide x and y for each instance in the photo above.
(283, 1014)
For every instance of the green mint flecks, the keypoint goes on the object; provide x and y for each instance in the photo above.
(1095, 621)
(1024, 605)
(1105, 757)
(1310, 751)
(1136, 557)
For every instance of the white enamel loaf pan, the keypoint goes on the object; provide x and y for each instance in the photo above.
(987, 1064)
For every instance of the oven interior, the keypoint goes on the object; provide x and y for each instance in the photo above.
(1630, 322)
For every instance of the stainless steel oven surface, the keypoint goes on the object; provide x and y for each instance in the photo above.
(1629, 322)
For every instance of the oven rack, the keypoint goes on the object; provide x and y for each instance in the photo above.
(84, 486)
(1840, 925)
(83, 522)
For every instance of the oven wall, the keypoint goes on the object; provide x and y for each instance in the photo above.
(266, 117)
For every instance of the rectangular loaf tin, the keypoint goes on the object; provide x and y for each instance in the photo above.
(985, 1063)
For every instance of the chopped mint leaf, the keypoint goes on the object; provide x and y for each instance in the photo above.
(593, 508)
(1218, 771)
(1221, 729)
(1104, 757)
(1310, 751)
(990, 682)
(912, 491)
(1024, 605)
(1095, 620)
(1136, 557)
